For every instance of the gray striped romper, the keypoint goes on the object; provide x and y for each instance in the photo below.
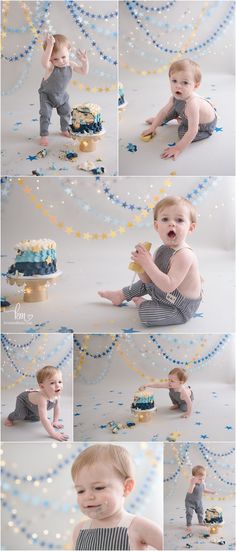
(164, 308)
(105, 539)
(25, 410)
(52, 93)
(193, 502)
(177, 111)
(177, 401)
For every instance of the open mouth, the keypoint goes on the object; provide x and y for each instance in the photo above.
(178, 93)
(171, 234)
(59, 390)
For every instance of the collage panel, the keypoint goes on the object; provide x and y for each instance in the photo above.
(59, 105)
(41, 501)
(86, 236)
(37, 387)
(154, 387)
(177, 71)
(199, 480)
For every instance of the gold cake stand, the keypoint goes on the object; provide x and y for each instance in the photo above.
(214, 528)
(87, 142)
(35, 287)
(143, 416)
(122, 108)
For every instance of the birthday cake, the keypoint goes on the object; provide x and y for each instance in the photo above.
(34, 257)
(86, 119)
(213, 516)
(121, 94)
(143, 400)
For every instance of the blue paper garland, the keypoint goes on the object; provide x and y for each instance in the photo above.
(221, 343)
(105, 352)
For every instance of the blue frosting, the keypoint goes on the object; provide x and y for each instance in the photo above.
(35, 268)
(30, 256)
(121, 100)
(85, 128)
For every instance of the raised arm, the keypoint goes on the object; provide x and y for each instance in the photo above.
(192, 485)
(180, 266)
(159, 118)
(45, 60)
(83, 68)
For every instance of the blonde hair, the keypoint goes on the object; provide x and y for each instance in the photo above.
(117, 456)
(60, 40)
(181, 374)
(175, 200)
(198, 469)
(46, 372)
(183, 65)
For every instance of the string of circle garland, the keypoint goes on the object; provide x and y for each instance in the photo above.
(105, 352)
(185, 50)
(30, 47)
(85, 33)
(195, 361)
(42, 357)
(94, 89)
(23, 375)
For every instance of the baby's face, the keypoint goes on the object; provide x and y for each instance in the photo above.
(100, 491)
(53, 386)
(182, 84)
(174, 382)
(61, 57)
(173, 224)
(200, 478)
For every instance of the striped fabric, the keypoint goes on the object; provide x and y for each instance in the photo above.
(109, 539)
(25, 410)
(178, 112)
(164, 308)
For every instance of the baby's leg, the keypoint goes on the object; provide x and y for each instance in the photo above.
(64, 112)
(200, 513)
(175, 403)
(189, 516)
(45, 117)
(116, 297)
(20, 412)
(138, 289)
(154, 313)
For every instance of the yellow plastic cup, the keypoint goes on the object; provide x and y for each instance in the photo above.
(134, 266)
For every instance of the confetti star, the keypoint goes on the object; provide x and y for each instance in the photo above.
(171, 144)
(31, 158)
(130, 330)
(204, 436)
(228, 427)
(34, 120)
(18, 123)
(198, 423)
(103, 426)
(131, 147)
(218, 129)
(198, 315)
(65, 330)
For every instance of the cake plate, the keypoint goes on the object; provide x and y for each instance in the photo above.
(122, 108)
(143, 415)
(87, 142)
(214, 527)
(35, 287)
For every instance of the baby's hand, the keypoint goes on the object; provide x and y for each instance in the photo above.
(185, 415)
(82, 56)
(170, 152)
(150, 130)
(143, 387)
(141, 255)
(193, 480)
(60, 437)
(50, 40)
(57, 425)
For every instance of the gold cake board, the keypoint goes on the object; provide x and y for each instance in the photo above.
(35, 287)
(143, 416)
(87, 142)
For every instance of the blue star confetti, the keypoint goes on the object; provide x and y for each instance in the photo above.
(218, 129)
(171, 144)
(65, 330)
(132, 148)
(198, 315)
(31, 158)
(129, 330)
(204, 436)
(228, 427)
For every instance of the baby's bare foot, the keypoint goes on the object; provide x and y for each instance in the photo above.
(189, 530)
(116, 297)
(43, 141)
(8, 423)
(138, 300)
(174, 407)
(66, 133)
(150, 120)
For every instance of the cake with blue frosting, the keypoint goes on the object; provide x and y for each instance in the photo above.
(34, 257)
(86, 119)
(213, 515)
(143, 400)
(121, 94)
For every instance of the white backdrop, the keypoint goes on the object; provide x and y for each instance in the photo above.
(20, 106)
(45, 510)
(90, 265)
(104, 386)
(144, 74)
(22, 356)
(219, 462)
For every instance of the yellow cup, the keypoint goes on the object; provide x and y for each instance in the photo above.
(134, 266)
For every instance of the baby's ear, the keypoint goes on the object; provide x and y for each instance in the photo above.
(128, 486)
(197, 84)
(192, 227)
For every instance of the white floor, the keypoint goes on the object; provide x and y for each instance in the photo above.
(145, 97)
(25, 431)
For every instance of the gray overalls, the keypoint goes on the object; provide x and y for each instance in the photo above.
(164, 308)
(25, 410)
(177, 111)
(193, 502)
(108, 539)
(52, 93)
(177, 401)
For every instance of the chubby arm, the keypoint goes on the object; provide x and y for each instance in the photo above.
(83, 69)
(56, 414)
(45, 60)
(157, 385)
(208, 491)
(187, 399)
(144, 531)
(180, 266)
(159, 118)
(42, 408)
(192, 114)
(192, 484)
